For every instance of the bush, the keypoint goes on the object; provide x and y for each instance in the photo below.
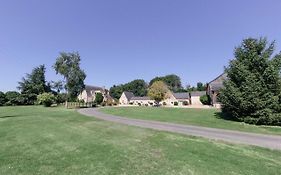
(46, 99)
(103, 103)
(3, 99)
(98, 98)
(61, 98)
(185, 103)
(176, 103)
(12, 98)
(164, 103)
(205, 100)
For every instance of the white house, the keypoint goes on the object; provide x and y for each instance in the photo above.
(195, 97)
(176, 99)
(125, 98)
(173, 99)
(89, 93)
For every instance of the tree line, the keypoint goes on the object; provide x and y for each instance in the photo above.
(34, 89)
(140, 88)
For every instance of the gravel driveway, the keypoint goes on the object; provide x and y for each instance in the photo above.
(267, 141)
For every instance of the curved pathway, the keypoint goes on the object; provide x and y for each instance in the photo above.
(267, 141)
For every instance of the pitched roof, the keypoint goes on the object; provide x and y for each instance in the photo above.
(197, 93)
(217, 83)
(93, 88)
(140, 98)
(181, 95)
(128, 95)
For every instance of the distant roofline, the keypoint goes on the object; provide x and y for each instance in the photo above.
(217, 77)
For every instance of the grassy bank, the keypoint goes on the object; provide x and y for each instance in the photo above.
(37, 140)
(200, 117)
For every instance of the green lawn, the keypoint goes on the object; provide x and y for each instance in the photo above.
(37, 140)
(199, 117)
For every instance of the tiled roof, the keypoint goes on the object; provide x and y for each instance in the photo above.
(197, 93)
(129, 95)
(140, 98)
(93, 88)
(181, 95)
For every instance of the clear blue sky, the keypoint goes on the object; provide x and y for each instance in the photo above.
(122, 40)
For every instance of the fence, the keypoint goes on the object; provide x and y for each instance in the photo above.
(71, 105)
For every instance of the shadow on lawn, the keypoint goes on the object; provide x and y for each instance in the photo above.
(224, 116)
(11, 116)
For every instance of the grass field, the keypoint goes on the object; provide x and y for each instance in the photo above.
(37, 140)
(200, 117)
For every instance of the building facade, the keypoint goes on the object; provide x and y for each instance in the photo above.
(213, 89)
(89, 94)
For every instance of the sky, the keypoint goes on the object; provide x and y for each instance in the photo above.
(123, 40)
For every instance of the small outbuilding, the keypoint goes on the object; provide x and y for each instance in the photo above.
(195, 97)
(213, 88)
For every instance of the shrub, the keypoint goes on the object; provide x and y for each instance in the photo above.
(103, 103)
(185, 103)
(164, 103)
(98, 98)
(205, 100)
(176, 103)
(46, 99)
(3, 99)
(61, 98)
(12, 98)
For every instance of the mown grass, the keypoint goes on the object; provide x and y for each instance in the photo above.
(200, 117)
(37, 140)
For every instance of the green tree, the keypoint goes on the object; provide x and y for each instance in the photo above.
(58, 86)
(252, 92)
(158, 91)
(138, 87)
(12, 98)
(98, 98)
(68, 65)
(46, 99)
(205, 100)
(3, 99)
(34, 84)
(116, 91)
(201, 86)
(172, 81)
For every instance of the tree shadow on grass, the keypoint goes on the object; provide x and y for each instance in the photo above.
(225, 116)
(11, 116)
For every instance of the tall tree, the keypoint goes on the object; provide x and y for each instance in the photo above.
(34, 84)
(252, 92)
(3, 99)
(138, 87)
(158, 91)
(116, 91)
(68, 65)
(58, 86)
(201, 86)
(172, 81)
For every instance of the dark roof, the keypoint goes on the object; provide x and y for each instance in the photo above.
(93, 88)
(89, 88)
(217, 83)
(140, 98)
(181, 95)
(197, 93)
(129, 95)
